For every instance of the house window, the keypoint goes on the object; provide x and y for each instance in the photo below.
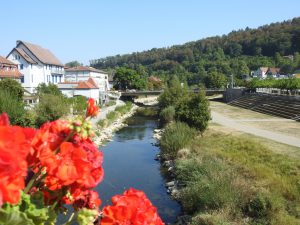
(22, 79)
(21, 66)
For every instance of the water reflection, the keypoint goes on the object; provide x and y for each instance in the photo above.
(129, 162)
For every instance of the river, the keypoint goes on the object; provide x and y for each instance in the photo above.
(129, 162)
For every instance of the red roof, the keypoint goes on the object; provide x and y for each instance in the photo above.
(5, 61)
(10, 74)
(89, 84)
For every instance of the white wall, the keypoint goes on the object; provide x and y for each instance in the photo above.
(100, 78)
(35, 74)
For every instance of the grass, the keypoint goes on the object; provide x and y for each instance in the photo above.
(110, 103)
(175, 137)
(147, 111)
(237, 180)
(114, 115)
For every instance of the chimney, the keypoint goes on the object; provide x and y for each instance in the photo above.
(17, 42)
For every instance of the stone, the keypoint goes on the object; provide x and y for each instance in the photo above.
(170, 184)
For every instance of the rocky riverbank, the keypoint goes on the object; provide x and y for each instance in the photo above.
(172, 185)
(105, 134)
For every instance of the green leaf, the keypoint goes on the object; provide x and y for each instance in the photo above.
(12, 216)
(86, 216)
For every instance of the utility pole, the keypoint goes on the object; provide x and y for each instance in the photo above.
(231, 81)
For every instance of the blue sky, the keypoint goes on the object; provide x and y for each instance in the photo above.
(89, 29)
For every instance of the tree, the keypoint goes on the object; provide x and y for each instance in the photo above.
(215, 80)
(195, 111)
(125, 78)
(173, 95)
(73, 64)
(48, 89)
(13, 87)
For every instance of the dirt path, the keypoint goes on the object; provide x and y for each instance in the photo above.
(236, 124)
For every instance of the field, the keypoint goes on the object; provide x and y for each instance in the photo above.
(231, 177)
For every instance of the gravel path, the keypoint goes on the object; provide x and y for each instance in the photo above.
(232, 123)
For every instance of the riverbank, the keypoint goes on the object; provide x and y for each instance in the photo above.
(104, 134)
(220, 178)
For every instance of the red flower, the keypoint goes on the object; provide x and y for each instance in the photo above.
(92, 110)
(14, 147)
(4, 120)
(47, 140)
(133, 207)
(83, 198)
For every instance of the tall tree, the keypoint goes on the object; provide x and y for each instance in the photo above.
(125, 78)
(73, 64)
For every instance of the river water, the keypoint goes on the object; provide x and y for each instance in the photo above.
(129, 162)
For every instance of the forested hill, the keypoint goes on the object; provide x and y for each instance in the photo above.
(236, 53)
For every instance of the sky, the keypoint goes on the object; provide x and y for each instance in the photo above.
(90, 29)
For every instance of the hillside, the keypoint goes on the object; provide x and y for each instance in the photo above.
(235, 53)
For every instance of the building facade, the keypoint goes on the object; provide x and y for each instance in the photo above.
(84, 73)
(36, 64)
(88, 89)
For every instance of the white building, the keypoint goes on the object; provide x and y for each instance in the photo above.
(88, 89)
(84, 73)
(260, 73)
(37, 65)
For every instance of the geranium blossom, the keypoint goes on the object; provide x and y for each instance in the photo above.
(14, 147)
(92, 109)
(133, 207)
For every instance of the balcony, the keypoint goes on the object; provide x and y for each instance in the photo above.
(56, 71)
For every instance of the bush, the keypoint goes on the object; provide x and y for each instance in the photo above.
(102, 123)
(79, 104)
(175, 137)
(13, 87)
(12, 106)
(50, 108)
(195, 111)
(167, 114)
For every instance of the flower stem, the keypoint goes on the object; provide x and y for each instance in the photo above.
(32, 180)
(70, 219)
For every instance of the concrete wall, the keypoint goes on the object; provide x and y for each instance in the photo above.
(231, 94)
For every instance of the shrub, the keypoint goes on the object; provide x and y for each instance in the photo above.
(13, 87)
(195, 111)
(102, 123)
(175, 137)
(79, 104)
(167, 114)
(50, 108)
(12, 106)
